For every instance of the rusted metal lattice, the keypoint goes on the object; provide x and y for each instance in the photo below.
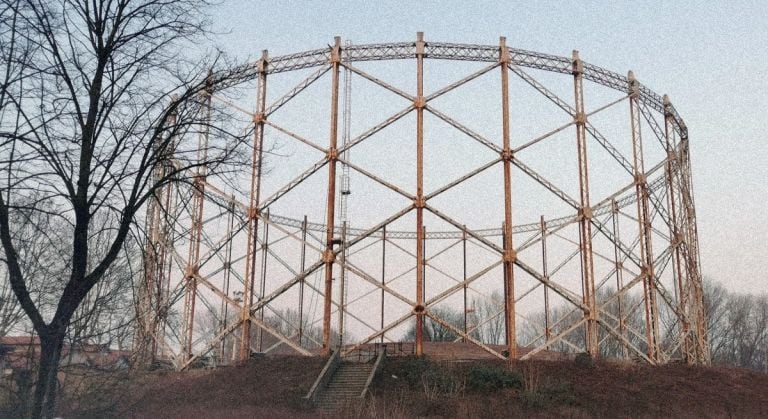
(233, 243)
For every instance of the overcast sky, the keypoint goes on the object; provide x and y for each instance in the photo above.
(710, 57)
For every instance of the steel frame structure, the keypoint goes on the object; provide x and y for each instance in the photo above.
(662, 193)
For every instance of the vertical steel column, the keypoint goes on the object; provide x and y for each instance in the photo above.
(424, 261)
(263, 279)
(253, 210)
(302, 279)
(545, 274)
(504, 287)
(619, 272)
(510, 256)
(150, 292)
(464, 277)
(145, 335)
(419, 104)
(674, 233)
(227, 274)
(144, 346)
(644, 223)
(196, 231)
(328, 255)
(692, 246)
(166, 263)
(585, 213)
(342, 282)
(383, 275)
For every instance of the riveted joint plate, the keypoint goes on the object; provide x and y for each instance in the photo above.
(332, 154)
(640, 179)
(253, 213)
(503, 51)
(419, 202)
(419, 309)
(580, 118)
(263, 62)
(420, 44)
(671, 155)
(577, 67)
(585, 213)
(335, 57)
(507, 155)
(329, 256)
(510, 256)
(419, 102)
(259, 118)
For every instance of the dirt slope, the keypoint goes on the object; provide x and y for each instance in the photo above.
(268, 387)
(573, 389)
(274, 386)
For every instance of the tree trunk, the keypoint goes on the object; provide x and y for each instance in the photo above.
(47, 383)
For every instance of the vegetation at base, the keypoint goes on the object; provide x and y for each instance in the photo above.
(583, 360)
(446, 377)
(492, 377)
(551, 393)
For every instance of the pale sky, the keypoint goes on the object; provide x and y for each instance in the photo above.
(708, 56)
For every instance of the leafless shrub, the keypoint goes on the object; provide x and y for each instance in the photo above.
(531, 376)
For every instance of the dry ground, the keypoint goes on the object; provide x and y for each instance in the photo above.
(274, 386)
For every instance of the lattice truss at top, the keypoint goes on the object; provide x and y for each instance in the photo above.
(609, 268)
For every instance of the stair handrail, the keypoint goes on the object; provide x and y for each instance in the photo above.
(325, 375)
(376, 366)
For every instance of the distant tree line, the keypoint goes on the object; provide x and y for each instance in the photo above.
(738, 327)
(484, 322)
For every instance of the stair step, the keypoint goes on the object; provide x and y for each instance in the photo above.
(345, 390)
(339, 390)
(345, 386)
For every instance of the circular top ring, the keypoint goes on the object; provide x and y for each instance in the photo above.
(460, 52)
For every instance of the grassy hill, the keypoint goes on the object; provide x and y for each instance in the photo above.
(410, 387)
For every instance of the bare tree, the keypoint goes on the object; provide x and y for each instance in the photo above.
(487, 318)
(285, 321)
(33, 233)
(737, 327)
(106, 315)
(94, 96)
(10, 310)
(434, 331)
(627, 308)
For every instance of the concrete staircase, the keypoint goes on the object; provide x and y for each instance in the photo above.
(345, 386)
